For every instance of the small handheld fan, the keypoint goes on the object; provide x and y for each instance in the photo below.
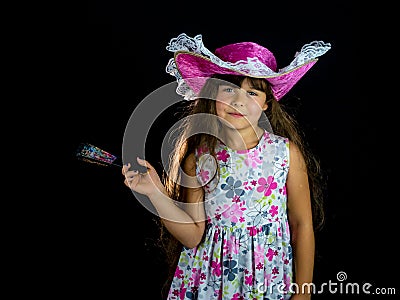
(92, 154)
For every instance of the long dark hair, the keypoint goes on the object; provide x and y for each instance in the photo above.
(277, 119)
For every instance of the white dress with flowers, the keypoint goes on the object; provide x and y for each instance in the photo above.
(246, 252)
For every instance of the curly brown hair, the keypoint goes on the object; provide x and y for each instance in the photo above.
(276, 117)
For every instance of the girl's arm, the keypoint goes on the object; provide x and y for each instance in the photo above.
(185, 223)
(300, 220)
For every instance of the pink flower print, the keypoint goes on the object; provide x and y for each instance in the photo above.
(266, 185)
(175, 293)
(216, 236)
(270, 254)
(223, 155)
(216, 268)
(237, 296)
(194, 290)
(248, 280)
(253, 159)
(252, 230)
(236, 198)
(178, 273)
(231, 245)
(267, 280)
(259, 254)
(283, 190)
(273, 210)
(232, 212)
(182, 292)
(286, 281)
(246, 186)
(204, 176)
(201, 150)
(260, 266)
(196, 276)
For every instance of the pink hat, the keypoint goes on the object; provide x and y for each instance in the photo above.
(193, 64)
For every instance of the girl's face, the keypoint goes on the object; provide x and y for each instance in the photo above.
(242, 107)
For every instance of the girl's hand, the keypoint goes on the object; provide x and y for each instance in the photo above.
(147, 183)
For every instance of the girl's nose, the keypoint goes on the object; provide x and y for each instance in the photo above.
(239, 98)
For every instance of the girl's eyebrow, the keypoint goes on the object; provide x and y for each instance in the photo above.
(229, 84)
(254, 88)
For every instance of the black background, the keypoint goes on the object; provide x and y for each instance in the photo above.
(116, 53)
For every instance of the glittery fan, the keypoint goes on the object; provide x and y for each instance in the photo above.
(92, 154)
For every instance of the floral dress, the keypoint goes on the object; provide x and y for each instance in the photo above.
(246, 251)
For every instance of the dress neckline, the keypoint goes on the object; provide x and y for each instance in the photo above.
(262, 138)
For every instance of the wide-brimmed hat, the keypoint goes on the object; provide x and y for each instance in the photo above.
(193, 64)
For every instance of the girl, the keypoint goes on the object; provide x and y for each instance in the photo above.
(241, 197)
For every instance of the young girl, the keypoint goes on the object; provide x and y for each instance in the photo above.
(241, 198)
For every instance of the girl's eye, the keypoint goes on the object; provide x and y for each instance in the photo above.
(228, 89)
(252, 93)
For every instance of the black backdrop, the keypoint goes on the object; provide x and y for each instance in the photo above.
(118, 57)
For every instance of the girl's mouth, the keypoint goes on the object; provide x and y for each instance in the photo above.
(236, 115)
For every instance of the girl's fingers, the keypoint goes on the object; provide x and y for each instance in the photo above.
(125, 168)
(131, 174)
(133, 181)
(131, 178)
(134, 177)
(144, 163)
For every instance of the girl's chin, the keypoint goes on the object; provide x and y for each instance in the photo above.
(236, 125)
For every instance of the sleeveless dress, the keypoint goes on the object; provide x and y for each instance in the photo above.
(246, 251)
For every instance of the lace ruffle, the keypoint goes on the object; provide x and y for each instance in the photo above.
(252, 65)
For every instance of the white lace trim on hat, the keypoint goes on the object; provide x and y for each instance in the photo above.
(252, 66)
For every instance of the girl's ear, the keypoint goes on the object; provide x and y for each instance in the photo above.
(265, 106)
